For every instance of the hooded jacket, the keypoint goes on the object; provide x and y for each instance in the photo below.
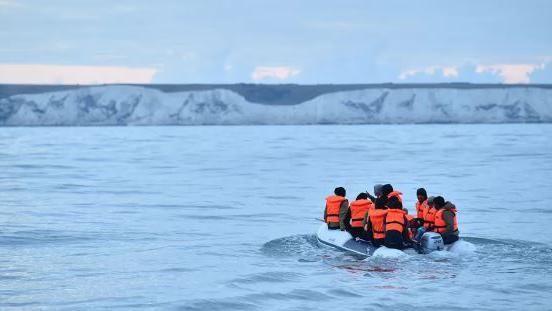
(448, 217)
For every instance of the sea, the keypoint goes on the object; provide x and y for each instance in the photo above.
(224, 217)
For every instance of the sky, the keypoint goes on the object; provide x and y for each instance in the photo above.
(284, 41)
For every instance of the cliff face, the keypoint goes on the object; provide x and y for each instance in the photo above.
(139, 105)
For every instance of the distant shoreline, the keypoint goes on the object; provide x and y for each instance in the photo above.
(244, 104)
(272, 94)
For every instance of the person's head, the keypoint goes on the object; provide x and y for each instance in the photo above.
(380, 203)
(421, 193)
(394, 203)
(386, 189)
(362, 196)
(430, 201)
(439, 202)
(340, 191)
(377, 190)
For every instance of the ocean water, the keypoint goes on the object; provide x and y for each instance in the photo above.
(223, 218)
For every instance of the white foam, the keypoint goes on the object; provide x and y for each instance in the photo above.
(462, 248)
(384, 252)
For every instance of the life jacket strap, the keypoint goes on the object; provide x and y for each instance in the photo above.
(395, 222)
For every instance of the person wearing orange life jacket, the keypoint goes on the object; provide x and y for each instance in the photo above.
(336, 209)
(425, 223)
(421, 203)
(395, 194)
(356, 213)
(429, 215)
(375, 222)
(388, 192)
(396, 225)
(446, 222)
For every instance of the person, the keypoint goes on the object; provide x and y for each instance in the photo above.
(336, 209)
(374, 223)
(377, 193)
(377, 190)
(356, 213)
(411, 224)
(429, 215)
(416, 226)
(446, 222)
(396, 225)
(425, 223)
(386, 190)
(421, 204)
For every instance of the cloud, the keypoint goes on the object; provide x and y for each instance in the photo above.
(494, 73)
(437, 71)
(62, 74)
(450, 71)
(510, 73)
(279, 73)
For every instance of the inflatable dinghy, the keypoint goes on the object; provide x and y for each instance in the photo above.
(344, 241)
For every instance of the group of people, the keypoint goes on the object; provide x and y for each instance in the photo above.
(383, 220)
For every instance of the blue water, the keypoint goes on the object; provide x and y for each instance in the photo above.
(220, 218)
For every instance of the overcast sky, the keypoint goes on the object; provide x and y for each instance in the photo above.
(283, 41)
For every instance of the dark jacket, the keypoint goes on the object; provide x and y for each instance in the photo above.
(371, 197)
(448, 217)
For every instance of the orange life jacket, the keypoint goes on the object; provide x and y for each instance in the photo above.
(358, 210)
(333, 203)
(397, 194)
(377, 219)
(429, 217)
(420, 208)
(395, 220)
(440, 224)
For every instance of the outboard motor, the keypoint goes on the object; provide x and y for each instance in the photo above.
(431, 241)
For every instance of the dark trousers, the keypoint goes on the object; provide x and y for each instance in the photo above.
(449, 239)
(394, 239)
(378, 242)
(358, 232)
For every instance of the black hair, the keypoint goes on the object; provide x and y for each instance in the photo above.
(439, 202)
(386, 190)
(422, 192)
(394, 203)
(380, 203)
(340, 191)
(362, 196)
